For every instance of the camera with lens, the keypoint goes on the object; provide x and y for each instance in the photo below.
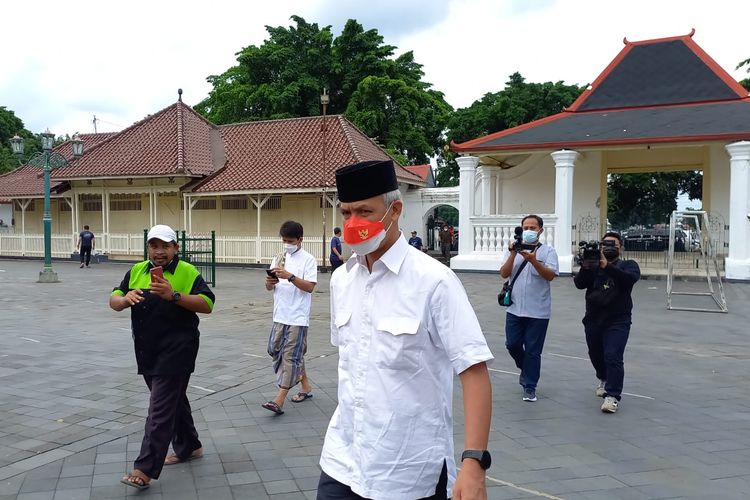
(518, 245)
(588, 251)
(591, 251)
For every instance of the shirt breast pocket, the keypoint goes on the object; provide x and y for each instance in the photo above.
(397, 343)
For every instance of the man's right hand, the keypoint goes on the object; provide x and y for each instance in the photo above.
(271, 282)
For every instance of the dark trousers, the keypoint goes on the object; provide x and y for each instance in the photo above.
(524, 339)
(330, 489)
(169, 419)
(336, 264)
(445, 249)
(606, 343)
(86, 252)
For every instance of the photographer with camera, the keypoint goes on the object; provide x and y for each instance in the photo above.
(608, 281)
(532, 266)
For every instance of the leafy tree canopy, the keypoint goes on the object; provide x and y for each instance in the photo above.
(649, 198)
(382, 95)
(11, 125)
(746, 82)
(518, 103)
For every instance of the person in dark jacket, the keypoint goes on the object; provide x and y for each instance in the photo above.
(164, 294)
(609, 305)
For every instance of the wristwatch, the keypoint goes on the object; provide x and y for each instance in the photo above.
(481, 456)
(292, 278)
(176, 296)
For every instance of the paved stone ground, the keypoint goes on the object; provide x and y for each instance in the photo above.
(72, 407)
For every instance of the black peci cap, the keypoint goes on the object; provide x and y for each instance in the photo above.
(366, 179)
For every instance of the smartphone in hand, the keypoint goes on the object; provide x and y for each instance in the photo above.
(156, 271)
(271, 274)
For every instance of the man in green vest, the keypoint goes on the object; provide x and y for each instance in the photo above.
(164, 294)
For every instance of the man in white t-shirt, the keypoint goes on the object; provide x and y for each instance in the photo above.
(403, 326)
(292, 278)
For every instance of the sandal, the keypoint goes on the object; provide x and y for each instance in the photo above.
(137, 480)
(174, 459)
(272, 406)
(301, 396)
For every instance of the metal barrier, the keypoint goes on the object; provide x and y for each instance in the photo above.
(200, 251)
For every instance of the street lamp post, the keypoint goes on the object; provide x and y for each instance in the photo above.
(47, 160)
(324, 130)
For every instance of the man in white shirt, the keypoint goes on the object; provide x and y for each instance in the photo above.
(403, 324)
(292, 277)
(527, 318)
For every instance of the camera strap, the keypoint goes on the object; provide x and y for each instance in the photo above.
(512, 281)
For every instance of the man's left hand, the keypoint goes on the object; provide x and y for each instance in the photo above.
(602, 260)
(161, 287)
(471, 482)
(281, 273)
(529, 256)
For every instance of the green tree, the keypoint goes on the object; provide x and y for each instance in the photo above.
(746, 82)
(518, 103)
(383, 96)
(11, 125)
(648, 198)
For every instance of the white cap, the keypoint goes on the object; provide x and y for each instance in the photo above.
(163, 233)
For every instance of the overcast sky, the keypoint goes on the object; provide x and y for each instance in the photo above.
(121, 61)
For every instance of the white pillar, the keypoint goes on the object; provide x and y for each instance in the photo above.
(467, 166)
(488, 176)
(497, 202)
(737, 264)
(564, 163)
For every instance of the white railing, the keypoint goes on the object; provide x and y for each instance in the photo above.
(493, 233)
(229, 249)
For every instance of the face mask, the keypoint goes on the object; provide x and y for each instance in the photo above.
(365, 236)
(530, 237)
(610, 253)
(290, 248)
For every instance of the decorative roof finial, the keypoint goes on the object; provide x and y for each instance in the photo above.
(692, 32)
(179, 95)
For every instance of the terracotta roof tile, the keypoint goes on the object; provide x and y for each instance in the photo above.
(423, 171)
(27, 180)
(173, 141)
(288, 154)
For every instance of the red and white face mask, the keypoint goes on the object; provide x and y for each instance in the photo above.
(365, 236)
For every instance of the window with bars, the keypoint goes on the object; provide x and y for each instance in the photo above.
(328, 203)
(273, 203)
(234, 203)
(91, 203)
(124, 201)
(64, 206)
(205, 204)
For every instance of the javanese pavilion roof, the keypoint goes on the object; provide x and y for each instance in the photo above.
(654, 91)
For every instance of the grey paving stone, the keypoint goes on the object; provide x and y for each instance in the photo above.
(72, 407)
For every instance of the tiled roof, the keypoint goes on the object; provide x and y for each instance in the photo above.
(666, 90)
(423, 171)
(174, 141)
(659, 72)
(27, 180)
(288, 154)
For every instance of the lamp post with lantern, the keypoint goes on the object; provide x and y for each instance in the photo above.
(47, 160)
(324, 129)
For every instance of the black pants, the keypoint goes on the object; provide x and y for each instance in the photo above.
(86, 252)
(445, 249)
(606, 343)
(330, 489)
(336, 265)
(169, 419)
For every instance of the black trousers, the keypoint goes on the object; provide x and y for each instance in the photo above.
(86, 252)
(606, 343)
(336, 265)
(170, 419)
(330, 489)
